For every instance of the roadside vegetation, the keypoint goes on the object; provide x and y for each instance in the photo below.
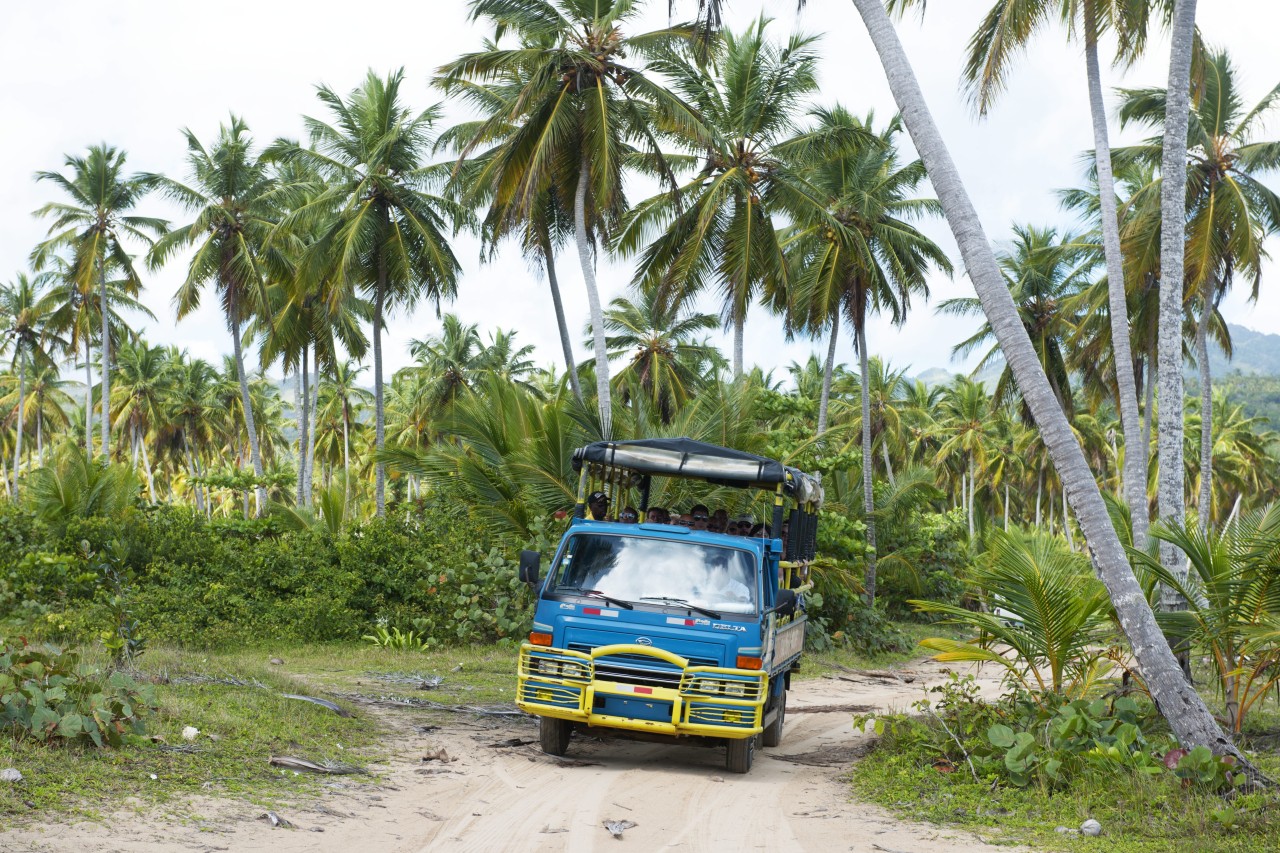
(172, 525)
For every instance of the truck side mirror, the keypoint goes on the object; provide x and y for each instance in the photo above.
(530, 566)
(785, 604)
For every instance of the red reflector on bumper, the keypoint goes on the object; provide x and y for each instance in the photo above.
(647, 690)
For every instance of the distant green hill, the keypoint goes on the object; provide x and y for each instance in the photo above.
(1256, 354)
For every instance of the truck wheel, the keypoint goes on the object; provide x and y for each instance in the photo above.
(772, 735)
(553, 735)
(740, 754)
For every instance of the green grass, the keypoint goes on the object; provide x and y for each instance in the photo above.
(1138, 814)
(248, 725)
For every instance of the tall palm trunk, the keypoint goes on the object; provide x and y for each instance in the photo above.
(88, 402)
(312, 408)
(346, 450)
(191, 472)
(301, 406)
(1066, 522)
(1182, 707)
(1135, 458)
(1170, 490)
(868, 495)
(739, 343)
(972, 476)
(1006, 506)
(603, 396)
(1039, 495)
(18, 420)
(105, 348)
(828, 368)
(304, 402)
(39, 431)
(1149, 411)
(146, 464)
(379, 416)
(254, 456)
(549, 261)
(1205, 501)
(888, 465)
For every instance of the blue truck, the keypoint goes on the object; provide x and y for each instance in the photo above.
(664, 632)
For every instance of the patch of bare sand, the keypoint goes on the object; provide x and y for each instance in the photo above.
(490, 798)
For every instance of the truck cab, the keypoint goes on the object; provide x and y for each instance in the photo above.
(659, 631)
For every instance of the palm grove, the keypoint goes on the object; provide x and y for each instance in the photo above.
(762, 196)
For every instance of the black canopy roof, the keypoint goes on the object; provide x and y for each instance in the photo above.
(685, 457)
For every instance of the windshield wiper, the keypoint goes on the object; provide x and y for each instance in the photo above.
(595, 593)
(682, 603)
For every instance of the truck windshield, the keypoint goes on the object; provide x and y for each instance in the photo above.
(638, 569)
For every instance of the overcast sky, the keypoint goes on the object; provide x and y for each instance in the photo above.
(132, 73)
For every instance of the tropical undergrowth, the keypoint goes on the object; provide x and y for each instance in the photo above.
(1074, 738)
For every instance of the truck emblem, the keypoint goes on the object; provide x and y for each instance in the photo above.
(644, 641)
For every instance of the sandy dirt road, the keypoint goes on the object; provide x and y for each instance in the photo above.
(498, 798)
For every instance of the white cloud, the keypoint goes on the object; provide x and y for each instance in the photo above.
(134, 72)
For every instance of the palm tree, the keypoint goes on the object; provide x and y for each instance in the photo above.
(231, 192)
(451, 360)
(25, 329)
(875, 262)
(1006, 31)
(1044, 274)
(47, 395)
(965, 416)
(1186, 712)
(388, 235)
(540, 227)
(144, 384)
(1230, 212)
(508, 361)
(578, 118)
(341, 388)
(78, 313)
(720, 229)
(664, 361)
(91, 225)
(191, 406)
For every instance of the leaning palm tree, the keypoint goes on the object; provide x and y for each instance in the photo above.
(231, 192)
(1005, 31)
(387, 233)
(25, 330)
(92, 226)
(720, 230)
(1230, 211)
(581, 114)
(875, 262)
(1185, 710)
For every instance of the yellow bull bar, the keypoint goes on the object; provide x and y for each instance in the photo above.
(711, 701)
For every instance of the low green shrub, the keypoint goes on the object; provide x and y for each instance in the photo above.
(47, 694)
(1045, 740)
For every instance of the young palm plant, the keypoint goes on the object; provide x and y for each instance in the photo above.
(1043, 605)
(1233, 597)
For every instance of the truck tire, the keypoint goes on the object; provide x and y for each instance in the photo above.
(772, 735)
(553, 735)
(740, 754)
